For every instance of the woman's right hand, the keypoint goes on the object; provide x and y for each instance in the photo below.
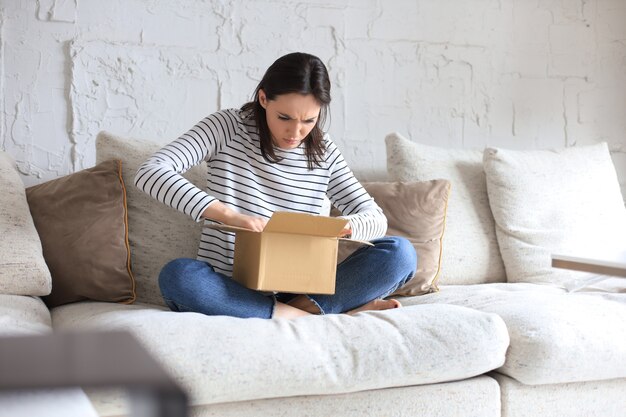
(218, 211)
(256, 224)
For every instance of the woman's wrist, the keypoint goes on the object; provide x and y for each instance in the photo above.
(218, 211)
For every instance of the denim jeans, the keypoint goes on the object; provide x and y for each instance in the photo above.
(371, 272)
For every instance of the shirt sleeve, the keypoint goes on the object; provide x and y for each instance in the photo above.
(350, 198)
(161, 175)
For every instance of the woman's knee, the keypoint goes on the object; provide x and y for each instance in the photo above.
(399, 260)
(399, 248)
(172, 272)
(406, 252)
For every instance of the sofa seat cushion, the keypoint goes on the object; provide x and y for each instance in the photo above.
(220, 359)
(556, 336)
(23, 315)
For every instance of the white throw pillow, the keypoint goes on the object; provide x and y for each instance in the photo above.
(470, 249)
(156, 233)
(23, 269)
(564, 201)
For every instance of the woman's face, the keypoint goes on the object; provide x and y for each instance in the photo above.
(290, 117)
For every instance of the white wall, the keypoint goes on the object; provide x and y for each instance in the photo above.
(522, 74)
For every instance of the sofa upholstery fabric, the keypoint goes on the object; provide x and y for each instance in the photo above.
(478, 397)
(158, 233)
(564, 201)
(23, 269)
(576, 399)
(556, 336)
(313, 355)
(470, 247)
(23, 315)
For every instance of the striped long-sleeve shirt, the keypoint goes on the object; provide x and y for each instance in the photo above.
(238, 176)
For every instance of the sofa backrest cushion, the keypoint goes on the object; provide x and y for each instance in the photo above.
(23, 270)
(157, 233)
(416, 211)
(565, 201)
(81, 220)
(470, 248)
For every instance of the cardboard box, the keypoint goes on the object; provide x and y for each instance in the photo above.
(295, 253)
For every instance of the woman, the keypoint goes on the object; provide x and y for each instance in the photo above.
(271, 155)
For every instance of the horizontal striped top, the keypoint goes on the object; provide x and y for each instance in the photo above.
(238, 176)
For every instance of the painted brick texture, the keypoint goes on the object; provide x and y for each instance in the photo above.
(455, 73)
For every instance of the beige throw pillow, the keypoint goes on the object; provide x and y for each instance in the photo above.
(565, 201)
(470, 252)
(81, 219)
(23, 270)
(417, 211)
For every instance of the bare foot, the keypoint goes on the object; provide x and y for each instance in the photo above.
(377, 305)
(285, 311)
(302, 304)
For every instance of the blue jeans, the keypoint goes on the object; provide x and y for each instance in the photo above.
(371, 272)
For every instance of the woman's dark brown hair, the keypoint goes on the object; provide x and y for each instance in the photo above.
(293, 73)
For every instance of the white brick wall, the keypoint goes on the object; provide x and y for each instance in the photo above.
(456, 73)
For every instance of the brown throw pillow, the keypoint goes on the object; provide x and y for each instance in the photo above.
(82, 222)
(417, 211)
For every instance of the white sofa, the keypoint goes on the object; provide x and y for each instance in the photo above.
(480, 346)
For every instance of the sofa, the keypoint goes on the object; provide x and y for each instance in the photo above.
(488, 327)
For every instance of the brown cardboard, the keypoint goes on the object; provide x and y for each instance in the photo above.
(295, 253)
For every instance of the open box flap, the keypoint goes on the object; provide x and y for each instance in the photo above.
(355, 242)
(235, 229)
(226, 228)
(306, 224)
